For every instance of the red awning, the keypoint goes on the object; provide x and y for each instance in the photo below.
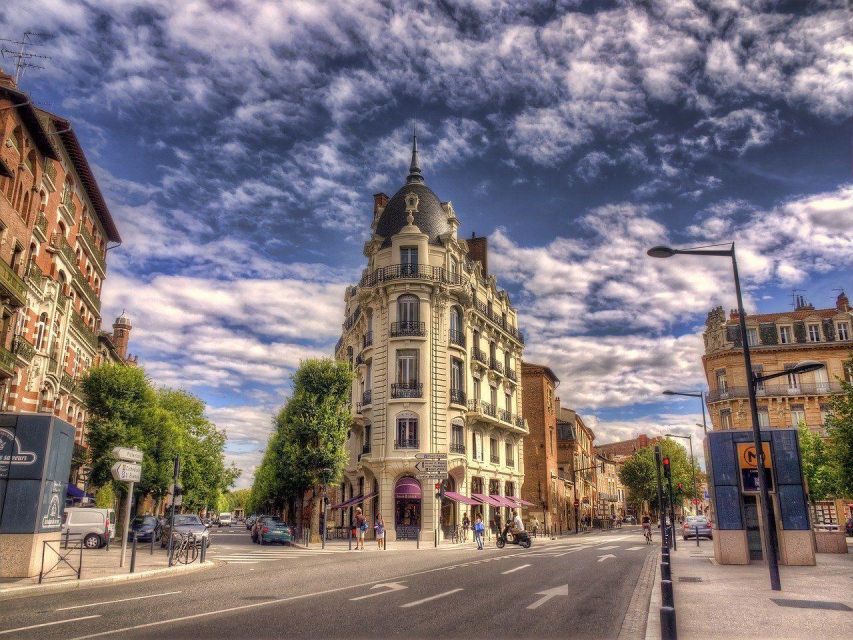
(525, 503)
(354, 501)
(458, 497)
(514, 502)
(408, 488)
(490, 500)
(504, 501)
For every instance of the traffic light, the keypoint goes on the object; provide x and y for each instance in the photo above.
(681, 486)
(438, 490)
(666, 471)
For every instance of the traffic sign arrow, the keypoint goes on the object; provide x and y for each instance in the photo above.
(126, 472)
(388, 586)
(603, 558)
(547, 595)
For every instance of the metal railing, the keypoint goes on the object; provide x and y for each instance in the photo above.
(496, 365)
(410, 272)
(495, 459)
(407, 390)
(23, 348)
(13, 284)
(67, 549)
(499, 320)
(7, 361)
(408, 328)
(368, 340)
(479, 356)
(510, 373)
(406, 443)
(777, 390)
(488, 409)
(457, 396)
(456, 447)
(366, 397)
(457, 338)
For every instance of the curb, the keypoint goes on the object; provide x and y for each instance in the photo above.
(653, 620)
(71, 585)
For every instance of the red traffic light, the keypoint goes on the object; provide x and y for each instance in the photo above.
(437, 486)
(577, 503)
(680, 486)
(666, 462)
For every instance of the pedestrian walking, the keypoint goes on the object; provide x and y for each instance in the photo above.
(479, 528)
(497, 523)
(466, 524)
(360, 528)
(379, 527)
(534, 525)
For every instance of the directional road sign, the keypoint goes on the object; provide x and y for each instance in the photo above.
(127, 472)
(128, 455)
(431, 456)
(432, 467)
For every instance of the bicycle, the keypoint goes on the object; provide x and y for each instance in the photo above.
(184, 549)
(647, 533)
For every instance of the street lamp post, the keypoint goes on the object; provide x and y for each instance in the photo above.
(770, 527)
(700, 395)
(692, 466)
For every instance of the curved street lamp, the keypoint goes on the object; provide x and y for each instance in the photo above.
(700, 395)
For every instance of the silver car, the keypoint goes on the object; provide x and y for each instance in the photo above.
(697, 525)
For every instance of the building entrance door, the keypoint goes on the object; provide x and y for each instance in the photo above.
(753, 530)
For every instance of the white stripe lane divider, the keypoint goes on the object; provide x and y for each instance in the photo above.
(513, 570)
(430, 598)
(48, 624)
(97, 604)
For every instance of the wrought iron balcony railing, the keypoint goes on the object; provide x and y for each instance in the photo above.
(457, 338)
(498, 320)
(495, 459)
(496, 365)
(368, 339)
(409, 272)
(479, 356)
(457, 396)
(7, 362)
(778, 390)
(510, 462)
(505, 415)
(408, 329)
(13, 284)
(407, 390)
(22, 348)
(457, 447)
(367, 397)
(510, 373)
(406, 443)
(488, 409)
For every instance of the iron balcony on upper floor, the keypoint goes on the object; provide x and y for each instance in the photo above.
(408, 328)
(488, 410)
(778, 390)
(499, 320)
(406, 443)
(410, 272)
(457, 396)
(479, 355)
(457, 338)
(457, 447)
(407, 390)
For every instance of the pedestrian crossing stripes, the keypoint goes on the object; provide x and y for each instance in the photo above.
(256, 556)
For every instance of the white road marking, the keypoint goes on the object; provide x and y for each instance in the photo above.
(435, 597)
(524, 566)
(636, 548)
(392, 586)
(47, 624)
(95, 604)
(548, 594)
(613, 546)
(605, 557)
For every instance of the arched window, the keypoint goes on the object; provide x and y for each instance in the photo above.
(41, 332)
(61, 227)
(408, 309)
(457, 335)
(407, 430)
(25, 206)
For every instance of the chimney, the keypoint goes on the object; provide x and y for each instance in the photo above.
(842, 302)
(380, 200)
(478, 250)
(6, 80)
(734, 316)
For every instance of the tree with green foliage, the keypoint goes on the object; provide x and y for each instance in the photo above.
(819, 467)
(639, 476)
(839, 431)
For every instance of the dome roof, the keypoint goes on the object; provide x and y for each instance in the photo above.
(123, 319)
(430, 217)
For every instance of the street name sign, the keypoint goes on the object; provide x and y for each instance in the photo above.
(127, 472)
(128, 455)
(432, 467)
(431, 456)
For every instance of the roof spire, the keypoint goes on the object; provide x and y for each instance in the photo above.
(414, 170)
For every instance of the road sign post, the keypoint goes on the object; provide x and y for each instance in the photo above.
(127, 469)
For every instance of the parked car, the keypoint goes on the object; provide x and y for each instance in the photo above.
(274, 530)
(146, 528)
(93, 526)
(251, 521)
(186, 523)
(258, 525)
(694, 523)
(225, 520)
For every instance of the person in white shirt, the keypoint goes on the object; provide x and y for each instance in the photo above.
(517, 524)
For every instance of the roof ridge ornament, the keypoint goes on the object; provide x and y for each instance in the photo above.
(415, 174)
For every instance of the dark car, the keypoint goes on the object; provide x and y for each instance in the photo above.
(259, 525)
(147, 528)
(186, 523)
(849, 527)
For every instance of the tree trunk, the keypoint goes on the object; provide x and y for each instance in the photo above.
(316, 498)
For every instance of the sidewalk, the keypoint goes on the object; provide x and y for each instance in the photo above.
(99, 567)
(734, 601)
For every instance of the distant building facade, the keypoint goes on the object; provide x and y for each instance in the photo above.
(437, 351)
(576, 461)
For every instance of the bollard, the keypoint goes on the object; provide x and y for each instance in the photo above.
(667, 624)
(697, 535)
(665, 573)
(435, 537)
(152, 542)
(666, 593)
(418, 539)
(203, 551)
(133, 552)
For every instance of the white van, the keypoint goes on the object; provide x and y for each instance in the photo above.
(225, 520)
(90, 525)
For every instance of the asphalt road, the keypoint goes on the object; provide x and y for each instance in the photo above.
(576, 587)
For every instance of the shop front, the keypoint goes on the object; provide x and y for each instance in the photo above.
(407, 508)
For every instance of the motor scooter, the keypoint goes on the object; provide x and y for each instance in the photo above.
(522, 538)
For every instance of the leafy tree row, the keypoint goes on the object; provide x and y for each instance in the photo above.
(126, 410)
(307, 448)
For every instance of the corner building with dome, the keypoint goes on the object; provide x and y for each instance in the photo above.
(436, 351)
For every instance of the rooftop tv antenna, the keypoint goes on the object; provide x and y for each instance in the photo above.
(23, 58)
(795, 299)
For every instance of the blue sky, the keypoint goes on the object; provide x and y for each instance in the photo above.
(239, 144)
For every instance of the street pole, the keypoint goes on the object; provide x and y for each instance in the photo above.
(126, 526)
(769, 525)
(660, 496)
(172, 515)
(672, 515)
(576, 504)
(693, 472)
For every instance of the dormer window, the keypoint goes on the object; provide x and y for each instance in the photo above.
(814, 332)
(752, 336)
(785, 335)
(842, 330)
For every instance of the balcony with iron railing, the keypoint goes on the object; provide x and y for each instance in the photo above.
(488, 410)
(479, 355)
(22, 348)
(406, 443)
(92, 247)
(457, 447)
(408, 328)
(41, 225)
(510, 462)
(778, 390)
(496, 365)
(407, 390)
(13, 285)
(7, 362)
(510, 373)
(359, 359)
(498, 320)
(368, 340)
(457, 396)
(410, 272)
(457, 338)
(88, 334)
(495, 459)
(366, 397)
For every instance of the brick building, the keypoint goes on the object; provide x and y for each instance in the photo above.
(576, 462)
(55, 233)
(624, 449)
(436, 349)
(544, 485)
